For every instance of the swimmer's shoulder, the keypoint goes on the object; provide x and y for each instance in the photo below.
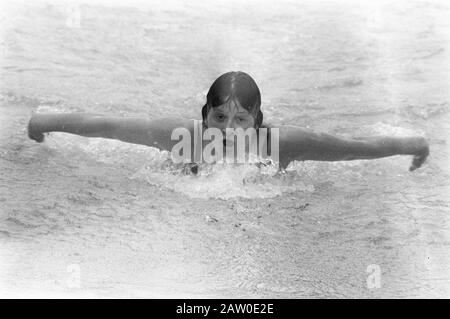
(289, 136)
(266, 125)
(171, 123)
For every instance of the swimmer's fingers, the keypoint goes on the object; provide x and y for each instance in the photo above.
(419, 159)
(33, 133)
(417, 162)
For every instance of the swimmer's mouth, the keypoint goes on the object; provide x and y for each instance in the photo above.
(228, 143)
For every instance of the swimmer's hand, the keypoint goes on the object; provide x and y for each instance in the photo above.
(423, 150)
(33, 131)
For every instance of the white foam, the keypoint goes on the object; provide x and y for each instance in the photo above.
(224, 181)
(381, 128)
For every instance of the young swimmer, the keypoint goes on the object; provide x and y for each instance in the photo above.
(233, 101)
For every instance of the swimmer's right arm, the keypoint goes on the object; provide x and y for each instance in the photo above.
(155, 133)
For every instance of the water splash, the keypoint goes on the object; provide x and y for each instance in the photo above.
(155, 167)
(223, 180)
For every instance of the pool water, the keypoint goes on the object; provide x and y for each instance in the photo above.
(91, 217)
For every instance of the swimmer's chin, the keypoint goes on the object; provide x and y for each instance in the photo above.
(228, 143)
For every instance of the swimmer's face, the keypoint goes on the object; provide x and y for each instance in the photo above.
(230, 115)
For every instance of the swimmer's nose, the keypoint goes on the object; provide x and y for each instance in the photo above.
(231, 124)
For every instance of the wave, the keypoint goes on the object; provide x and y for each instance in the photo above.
(429, 55)
(342, 84)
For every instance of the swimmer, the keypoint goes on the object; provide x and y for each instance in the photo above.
(233, 102)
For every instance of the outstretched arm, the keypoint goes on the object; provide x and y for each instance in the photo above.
(301, 144)
(155, 133)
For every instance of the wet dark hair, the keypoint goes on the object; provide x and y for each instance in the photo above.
(238, 86)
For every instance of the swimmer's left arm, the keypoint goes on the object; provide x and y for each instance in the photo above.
(300, 144)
